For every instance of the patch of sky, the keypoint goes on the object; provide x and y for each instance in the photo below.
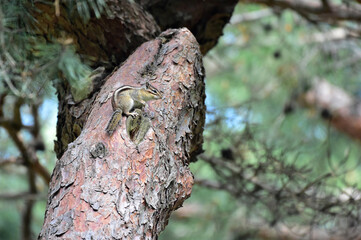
(316, 132)
(26, 117)
(48, 113)
(235, 118)
(229, 38)
(320, 133)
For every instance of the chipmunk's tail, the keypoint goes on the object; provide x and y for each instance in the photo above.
(115, 120)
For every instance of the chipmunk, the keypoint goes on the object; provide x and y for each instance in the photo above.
(128, 98)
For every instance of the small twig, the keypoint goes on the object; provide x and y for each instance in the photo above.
(326, 5)
(57, 8)
(27, 220)
(13, 89)
(2, 101)
(21, 196)
(332, 13)
(251, 16)
(29, 157)
(11, 160)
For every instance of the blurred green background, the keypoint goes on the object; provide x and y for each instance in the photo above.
(251, 78)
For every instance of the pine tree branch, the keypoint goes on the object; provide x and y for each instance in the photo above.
(317, 11)
(339, 108)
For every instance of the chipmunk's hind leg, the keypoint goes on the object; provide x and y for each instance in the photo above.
(115, 120)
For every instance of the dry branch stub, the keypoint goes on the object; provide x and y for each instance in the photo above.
(342, 110)
(107, 187)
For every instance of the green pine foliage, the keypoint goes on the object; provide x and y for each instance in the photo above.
(85, 8)
(30, 64)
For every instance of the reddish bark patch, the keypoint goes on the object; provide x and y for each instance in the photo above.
(129, 191)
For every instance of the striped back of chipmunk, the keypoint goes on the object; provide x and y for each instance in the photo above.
(118, 92)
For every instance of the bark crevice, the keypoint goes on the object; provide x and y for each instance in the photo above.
(130, 190)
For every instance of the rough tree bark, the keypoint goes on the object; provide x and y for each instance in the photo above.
(109, 40)
(128, 192)
(108, 188)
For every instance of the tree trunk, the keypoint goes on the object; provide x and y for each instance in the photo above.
(107, 40)
(106, 187)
